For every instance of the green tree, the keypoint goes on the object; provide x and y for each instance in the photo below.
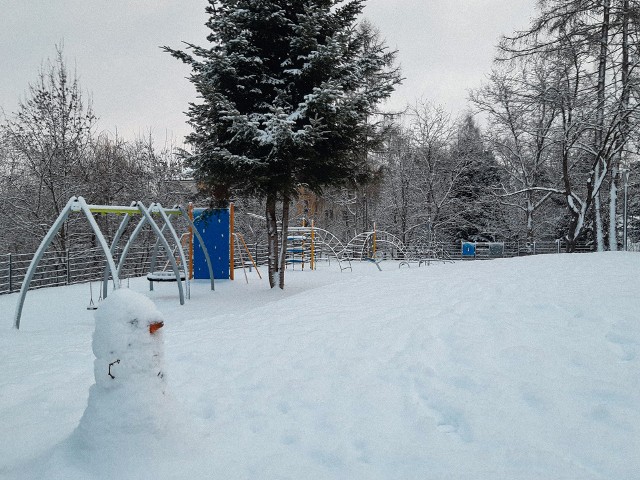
(288, 90)
(479, 216)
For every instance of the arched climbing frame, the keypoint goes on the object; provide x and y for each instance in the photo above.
(361, 247)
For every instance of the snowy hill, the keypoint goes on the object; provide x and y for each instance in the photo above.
(521, 368)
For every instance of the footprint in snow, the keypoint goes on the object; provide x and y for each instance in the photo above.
(447, 418)
(625, 347)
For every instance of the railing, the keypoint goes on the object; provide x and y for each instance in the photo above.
(516, 249)
(70, 267)
(452, 250)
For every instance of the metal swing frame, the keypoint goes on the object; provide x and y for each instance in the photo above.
(78, 204)
(75, 204)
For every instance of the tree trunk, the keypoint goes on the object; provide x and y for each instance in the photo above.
(272, 239)
(530, 217)
(285, 233)
(598, 136)
(598, 219)
(624, 127)
(613, 207)
(575, 227)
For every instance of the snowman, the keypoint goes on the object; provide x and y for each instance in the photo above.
(128, 397)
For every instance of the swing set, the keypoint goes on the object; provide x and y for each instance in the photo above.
(79, 205)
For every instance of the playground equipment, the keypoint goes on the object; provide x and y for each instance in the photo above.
(215, 228)
(298, 250)
(425, 251)
(367, 245)
(78, 204)
(165, 214)
(92, 306)
(322, 242)
(163, 275)
(239, 239)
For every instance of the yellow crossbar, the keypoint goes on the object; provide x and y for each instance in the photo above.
(119, 210)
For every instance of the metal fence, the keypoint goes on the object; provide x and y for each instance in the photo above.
(516, 249)
(69, 267)
(451, 250)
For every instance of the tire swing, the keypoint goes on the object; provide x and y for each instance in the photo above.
(166, 274)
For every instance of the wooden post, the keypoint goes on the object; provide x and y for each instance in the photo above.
(312, 261)
(241, 238)
(231, 242)
(304, 224)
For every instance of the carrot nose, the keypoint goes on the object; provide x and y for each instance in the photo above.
(155, 326)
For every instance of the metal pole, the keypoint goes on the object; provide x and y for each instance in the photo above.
(68, 263)
(374, 240)
(10, 274)
(232, 265)
(188, 216)
(191, 229)
(72, 205)
(625, 172)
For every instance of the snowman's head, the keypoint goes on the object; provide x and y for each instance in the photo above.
(127, 341)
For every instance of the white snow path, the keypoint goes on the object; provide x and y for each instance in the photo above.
(509, 369)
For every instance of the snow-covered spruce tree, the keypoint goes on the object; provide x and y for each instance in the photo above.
(287, 91)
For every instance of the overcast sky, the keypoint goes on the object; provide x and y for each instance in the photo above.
(445, 47)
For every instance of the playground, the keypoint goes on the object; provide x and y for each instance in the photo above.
(364, 374)
(185, 254)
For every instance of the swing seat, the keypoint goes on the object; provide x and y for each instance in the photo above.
(164, 276)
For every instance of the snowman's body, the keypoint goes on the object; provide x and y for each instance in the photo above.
(129, 394)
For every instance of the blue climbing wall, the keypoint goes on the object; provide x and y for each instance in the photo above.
(213, 225)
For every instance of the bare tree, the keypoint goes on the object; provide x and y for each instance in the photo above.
(521, 117)
(48, 139)
(586, 43)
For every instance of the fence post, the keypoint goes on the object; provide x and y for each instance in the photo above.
(534, 247)
(68, 264)
(10, 274)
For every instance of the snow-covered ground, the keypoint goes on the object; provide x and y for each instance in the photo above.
(523, 368)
